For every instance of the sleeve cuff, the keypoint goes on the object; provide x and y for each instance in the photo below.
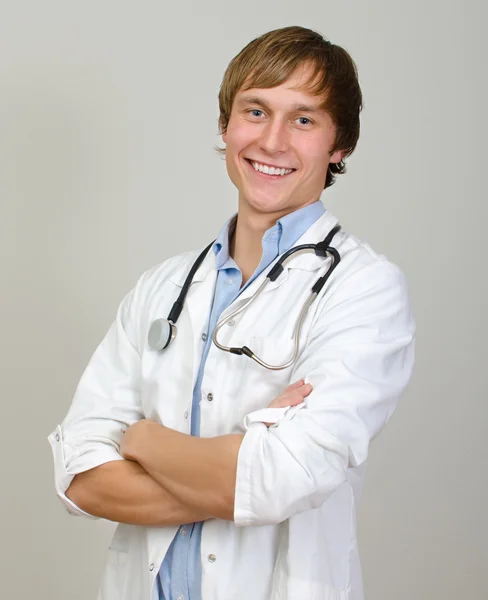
(63, 477)
(271, 415)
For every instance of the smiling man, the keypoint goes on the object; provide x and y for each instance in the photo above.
(232, 451)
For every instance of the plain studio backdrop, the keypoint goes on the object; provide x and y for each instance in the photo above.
(108, 119)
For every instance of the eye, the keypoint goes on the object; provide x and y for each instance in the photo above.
(255, 110)
(301, 119)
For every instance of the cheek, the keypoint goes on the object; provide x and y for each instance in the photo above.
(239, 136)
(234, 145)
(314, 153)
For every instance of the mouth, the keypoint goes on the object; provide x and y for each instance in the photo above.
(269, 172)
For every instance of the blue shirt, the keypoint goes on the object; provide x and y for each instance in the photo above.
(180, 574)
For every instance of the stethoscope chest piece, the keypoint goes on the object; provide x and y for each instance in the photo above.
(161, 334)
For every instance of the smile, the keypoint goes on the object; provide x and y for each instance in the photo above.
(268, 170)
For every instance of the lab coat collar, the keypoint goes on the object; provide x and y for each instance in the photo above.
(307, 261)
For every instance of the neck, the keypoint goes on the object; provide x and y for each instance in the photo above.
(246, 243)
(246, 247)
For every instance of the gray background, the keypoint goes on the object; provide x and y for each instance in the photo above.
(108, 117)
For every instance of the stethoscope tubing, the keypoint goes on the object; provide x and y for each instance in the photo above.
(178, 305)
(318, 285)
(322, 249)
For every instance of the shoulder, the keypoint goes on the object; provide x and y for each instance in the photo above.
(364, 310)
(153, 289)
(173, 269)
(361, 262)
(365, 287)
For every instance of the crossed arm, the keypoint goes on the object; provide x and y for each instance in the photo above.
(200, 472)
(124, 492)
(359, 359)
(168, 478)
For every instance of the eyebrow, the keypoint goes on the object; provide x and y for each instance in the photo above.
(295, 107)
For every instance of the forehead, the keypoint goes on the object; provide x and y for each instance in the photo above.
(297, 90)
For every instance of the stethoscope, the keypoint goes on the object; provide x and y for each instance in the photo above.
(163, 331)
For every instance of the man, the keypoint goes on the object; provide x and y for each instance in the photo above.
(229, 481)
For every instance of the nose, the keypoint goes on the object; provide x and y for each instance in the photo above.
(274, 137)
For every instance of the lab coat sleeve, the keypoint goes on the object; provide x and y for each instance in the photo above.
(270, 415)
(106, 402)
(359, 358)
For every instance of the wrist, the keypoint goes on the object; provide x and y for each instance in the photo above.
(150, 440)
(137, 439)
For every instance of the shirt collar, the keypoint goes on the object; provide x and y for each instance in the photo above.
(221, 244)
(294, 224)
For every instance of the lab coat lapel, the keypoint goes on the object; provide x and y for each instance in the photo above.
(199, 304)
(307, 261)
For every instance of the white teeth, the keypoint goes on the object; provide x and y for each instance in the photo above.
(270, 170)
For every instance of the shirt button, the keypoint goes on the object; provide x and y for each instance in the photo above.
(186, 414)
(204, 337)
(231, 323)
(151, 567)
(57, 437)
(180, 597)
(211, 558)
(210, 397)
(230, 281)
(183, 531)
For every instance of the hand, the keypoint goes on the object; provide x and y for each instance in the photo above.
(291, 396)
(133, 438)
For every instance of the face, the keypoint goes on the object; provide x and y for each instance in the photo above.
(278, 146)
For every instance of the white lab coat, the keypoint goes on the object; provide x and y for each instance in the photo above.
(298, 482)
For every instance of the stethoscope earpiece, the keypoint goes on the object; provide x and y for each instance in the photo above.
(161, 334)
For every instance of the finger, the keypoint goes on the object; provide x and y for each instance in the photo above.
(288, 400)
(294, 399)
(295, 385)
(303, 390)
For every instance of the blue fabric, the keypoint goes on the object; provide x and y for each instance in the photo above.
(180, 574)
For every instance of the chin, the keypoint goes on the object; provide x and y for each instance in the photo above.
(266, 204)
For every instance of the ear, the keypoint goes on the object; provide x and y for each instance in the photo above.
(224, 137)
(337, 156)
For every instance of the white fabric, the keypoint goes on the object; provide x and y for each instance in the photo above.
(271, 415)
(298, 481)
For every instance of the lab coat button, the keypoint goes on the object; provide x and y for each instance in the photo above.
(57, 437)
(210, 397)
(151, 567)
(204, 337)
(212, 558)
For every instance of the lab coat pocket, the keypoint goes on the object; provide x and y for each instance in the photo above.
(267, 383)
(274, 351)
(257, 385)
